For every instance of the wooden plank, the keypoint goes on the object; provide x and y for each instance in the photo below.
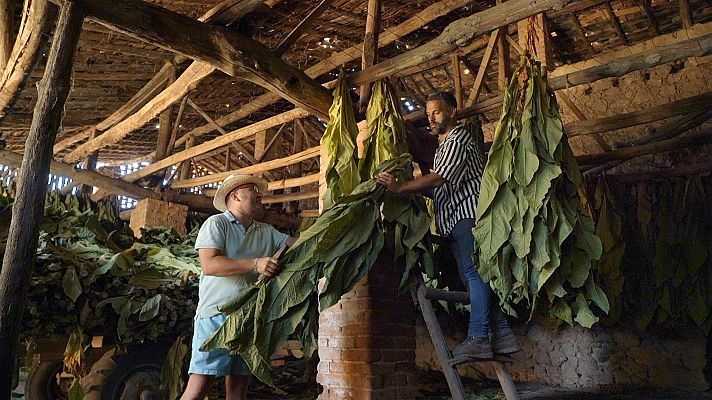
(28, 208)
(447, 295)
(505, 380)
(370, 48)
(281, 198)
(297, 32)
(657, 113)
(613, 19)
(574, 21)
(486, 59)
(35, 29)
(458, 34)
(685, 14)
(262, 167)
(219, 47)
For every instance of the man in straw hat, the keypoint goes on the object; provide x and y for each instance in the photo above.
(234, 250)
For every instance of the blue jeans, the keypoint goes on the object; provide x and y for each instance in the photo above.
(481, 296)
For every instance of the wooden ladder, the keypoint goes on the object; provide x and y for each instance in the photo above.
(423, 296)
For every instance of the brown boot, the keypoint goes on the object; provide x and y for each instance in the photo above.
(504, 342)
(472, 349)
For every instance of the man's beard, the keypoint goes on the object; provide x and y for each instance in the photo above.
(439, 128)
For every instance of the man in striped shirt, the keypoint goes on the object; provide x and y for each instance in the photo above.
(455, 182)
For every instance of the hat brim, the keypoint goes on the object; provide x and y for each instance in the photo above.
(230, 183)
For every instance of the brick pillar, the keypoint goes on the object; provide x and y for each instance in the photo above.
(367, 340)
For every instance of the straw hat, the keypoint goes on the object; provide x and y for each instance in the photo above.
(230, 183)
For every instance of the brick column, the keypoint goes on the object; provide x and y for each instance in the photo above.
(151, 213)
(367, 340)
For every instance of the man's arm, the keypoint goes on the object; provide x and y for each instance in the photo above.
(420, 184)
(213, 263)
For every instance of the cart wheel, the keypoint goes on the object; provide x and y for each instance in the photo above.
(123, 376)
(46, 382)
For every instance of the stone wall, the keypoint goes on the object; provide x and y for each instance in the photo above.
(591, 358)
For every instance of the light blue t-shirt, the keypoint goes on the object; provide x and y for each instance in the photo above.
(224, 232)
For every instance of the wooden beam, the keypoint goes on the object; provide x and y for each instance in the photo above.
(370, 48)
(219, 47)
(394, 33)
(457, 35)
(215, 15)
(176, 126)
(164, 128)
(220, 141)
(533, 37)
(648, 11)
(260, 144)
(613, 19)
(457, 78)
(35, 29)
(503, 60)
(281, 198)
(657, 113)
(28, 208)
(580, 116)
(486, 59)
(185, 167)
(297, 32)
(702, 168)
(7, 31)
(272, 141)
(685, 14)
(574, 21)
(265, 166)
(175, 91)
(646, 149)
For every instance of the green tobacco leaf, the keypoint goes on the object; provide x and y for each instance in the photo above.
(151, 308)
(172, 370)
(584, 316)
(697, 306)
(493, 228)
(71, 284)
(75, 392)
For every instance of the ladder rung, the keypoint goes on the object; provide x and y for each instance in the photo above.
(446, 295)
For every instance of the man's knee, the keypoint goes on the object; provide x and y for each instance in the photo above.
(198, 387)
(236, 386)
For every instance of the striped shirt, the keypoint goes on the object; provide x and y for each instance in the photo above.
(459, 163)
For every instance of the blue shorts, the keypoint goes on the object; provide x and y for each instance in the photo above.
(216, 362)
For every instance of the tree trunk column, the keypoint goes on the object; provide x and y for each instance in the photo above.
(367, 340)
(28, 210)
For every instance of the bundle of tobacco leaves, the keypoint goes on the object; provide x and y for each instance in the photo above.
(406, 217)
(92, 273)
(339, 143)
(535, 239)
(340, 247)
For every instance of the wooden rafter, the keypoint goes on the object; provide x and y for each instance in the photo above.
(35, 29)
(685, 14)
(613, 19)
(222, 48)
(457, 78)
(297, 32)
(574, 21)
(503, 67)
(370, 48)
(580, 116)
(648, 11)
(6, 31)
(486, 59)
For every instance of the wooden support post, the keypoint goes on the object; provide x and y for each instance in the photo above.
(260, 144)
(6, 31)
(28, 209)
(685, 14)
(297, 146)
(534, 37)
(457, 78)
(648, 10)
(503, 67)
(164, 127)
(227, 159)
(90, 165)
(370, 48)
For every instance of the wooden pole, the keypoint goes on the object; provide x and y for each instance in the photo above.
(164, 126)
(457, 77)
(297, 32)
(370, 48)
(685, 14)
(186, 166)
(502, 58)
(28, 209)
(6, 31)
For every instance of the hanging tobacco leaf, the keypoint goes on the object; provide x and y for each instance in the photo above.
(535, 240)
(340, 247)
(172, 370)
(406, 218)
(339, 143)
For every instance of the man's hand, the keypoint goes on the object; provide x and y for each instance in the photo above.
(267, 266)
(389, 181)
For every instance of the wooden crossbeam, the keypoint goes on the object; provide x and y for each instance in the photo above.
(657, 113)
(220, 47)
(35, 29)
(685, 14)
(486, 60)
(574, 21)
(581, 117)
(458, 34)
(7, 23)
